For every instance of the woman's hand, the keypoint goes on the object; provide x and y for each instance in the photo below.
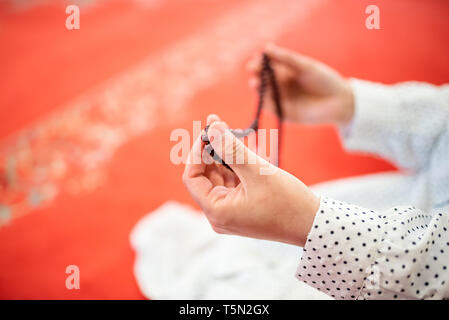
(255, 199)
(311, 92)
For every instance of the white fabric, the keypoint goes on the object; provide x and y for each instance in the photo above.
(408, 124)
(178, 255)
(369, 248)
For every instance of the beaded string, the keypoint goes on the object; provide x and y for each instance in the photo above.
(266, 75)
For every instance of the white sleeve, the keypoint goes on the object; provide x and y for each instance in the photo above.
(357, 253)
(401, 123)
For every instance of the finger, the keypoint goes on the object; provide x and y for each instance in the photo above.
(288, 57)
(194, 165)
(256, 148)
(245, 163)
(212, 118)
(194, 179)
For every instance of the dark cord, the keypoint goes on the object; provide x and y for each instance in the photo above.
(267, 76)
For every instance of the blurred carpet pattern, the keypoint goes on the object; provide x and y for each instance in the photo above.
(86, 115)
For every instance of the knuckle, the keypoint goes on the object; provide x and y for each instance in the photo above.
(218, 229)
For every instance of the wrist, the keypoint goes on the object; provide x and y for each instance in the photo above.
(312, 204)
(302, 208)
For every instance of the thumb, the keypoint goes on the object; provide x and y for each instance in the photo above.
(246, 164)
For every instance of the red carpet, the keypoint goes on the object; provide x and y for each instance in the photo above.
(46, 68)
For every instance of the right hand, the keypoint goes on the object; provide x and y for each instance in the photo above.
(255, 199)
(311, 92)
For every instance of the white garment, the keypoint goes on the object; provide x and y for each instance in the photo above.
(178, 256)
(355, 252)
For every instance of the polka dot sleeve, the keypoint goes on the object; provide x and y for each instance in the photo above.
(357, 253)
